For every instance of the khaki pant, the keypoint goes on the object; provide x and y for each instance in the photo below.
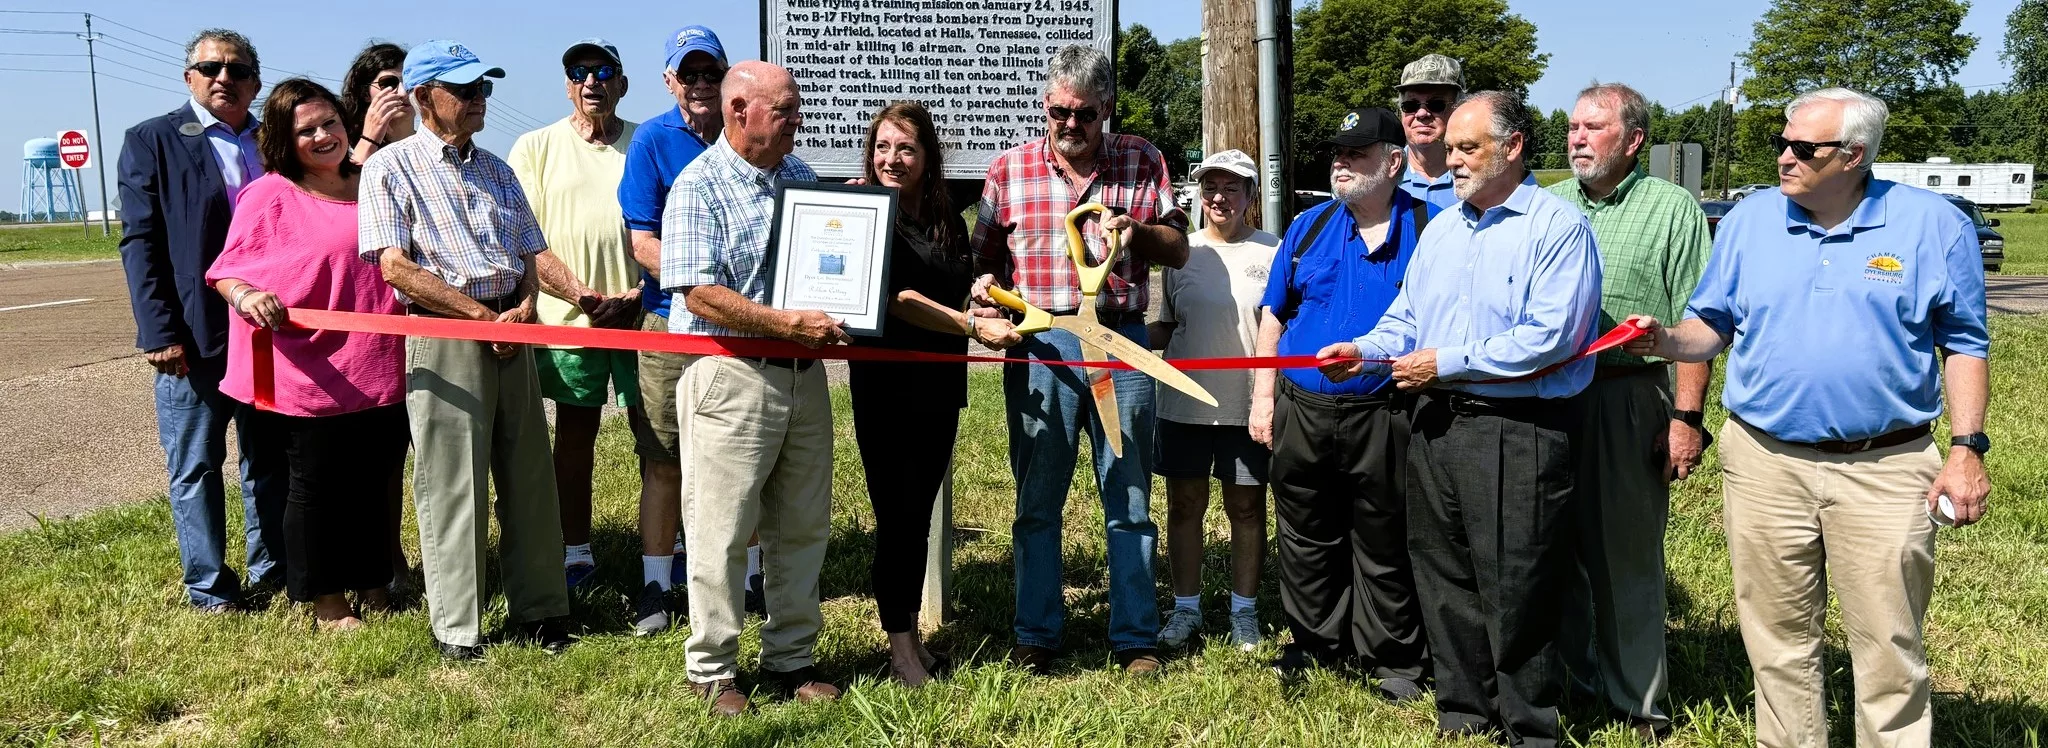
(1613, 633)
(756, 444)
(475, 418)
(1798, 519)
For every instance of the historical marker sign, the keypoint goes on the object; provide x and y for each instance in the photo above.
(977, 64)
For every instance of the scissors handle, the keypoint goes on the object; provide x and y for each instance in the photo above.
(1090, 277)
(1035, 319)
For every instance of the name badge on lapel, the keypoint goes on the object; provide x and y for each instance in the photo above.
(191, 129)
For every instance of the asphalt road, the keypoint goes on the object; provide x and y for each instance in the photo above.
(76, 404)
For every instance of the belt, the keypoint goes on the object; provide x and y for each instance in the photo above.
(792, 364)
(498, 305)
(1839, 447)
(1616, 372)
(1385, 397)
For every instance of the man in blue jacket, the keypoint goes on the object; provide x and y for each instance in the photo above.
(180, 175)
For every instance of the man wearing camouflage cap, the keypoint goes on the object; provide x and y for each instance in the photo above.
(1428, 91)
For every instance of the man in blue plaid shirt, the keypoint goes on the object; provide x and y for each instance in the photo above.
(755, 434)
(453, 233)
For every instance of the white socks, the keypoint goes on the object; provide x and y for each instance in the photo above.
(1191, 602)
(753, 565)
(656, 569)
(1241, 603)
(577, 554)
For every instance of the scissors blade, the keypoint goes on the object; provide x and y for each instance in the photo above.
(1095, 337)
(1103, 386)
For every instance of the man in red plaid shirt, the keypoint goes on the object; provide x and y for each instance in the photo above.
(1020, 241)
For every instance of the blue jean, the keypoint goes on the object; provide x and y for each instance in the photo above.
(192, 424)
(1048, 407)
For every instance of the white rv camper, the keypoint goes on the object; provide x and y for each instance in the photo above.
(1988, 185)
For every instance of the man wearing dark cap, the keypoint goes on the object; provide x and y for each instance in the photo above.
(1340, 448)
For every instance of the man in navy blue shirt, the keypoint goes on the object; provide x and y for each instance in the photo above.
(693, 67)
(1340, 448)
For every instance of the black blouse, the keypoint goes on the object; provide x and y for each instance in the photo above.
(943, 274)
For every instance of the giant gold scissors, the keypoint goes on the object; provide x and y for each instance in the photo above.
(1098, 341)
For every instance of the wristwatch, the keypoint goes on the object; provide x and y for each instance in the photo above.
(1978, 442)
(1693, 418)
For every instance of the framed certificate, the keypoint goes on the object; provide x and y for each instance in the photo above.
(829, 250)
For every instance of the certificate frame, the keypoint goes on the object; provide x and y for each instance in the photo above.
(829, 248)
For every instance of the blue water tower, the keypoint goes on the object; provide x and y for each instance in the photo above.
(49, 192)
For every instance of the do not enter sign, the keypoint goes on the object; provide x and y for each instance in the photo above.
(73, 149)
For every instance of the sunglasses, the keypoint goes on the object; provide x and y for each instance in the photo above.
(579, 73)
(211, 69)
(1801, 149)
(389, 81)
(466, 91)
(1435, 106)
(1085, 114)
(694, 77)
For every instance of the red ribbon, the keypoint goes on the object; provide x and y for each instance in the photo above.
(705, 345)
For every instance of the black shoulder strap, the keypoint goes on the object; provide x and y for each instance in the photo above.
(1420, 210)
(1308, 239)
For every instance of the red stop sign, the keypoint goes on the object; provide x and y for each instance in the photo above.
(73, 149)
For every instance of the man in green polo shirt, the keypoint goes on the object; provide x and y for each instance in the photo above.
(1653, 246)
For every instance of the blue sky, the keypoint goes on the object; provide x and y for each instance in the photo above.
(1674, 52)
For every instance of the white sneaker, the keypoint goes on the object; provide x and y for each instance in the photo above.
(1181, 625)
(1244, 629)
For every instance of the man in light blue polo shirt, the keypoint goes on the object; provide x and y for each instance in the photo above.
(1340, 448)
(1504, 286)
(1838, 294)
(693, 67)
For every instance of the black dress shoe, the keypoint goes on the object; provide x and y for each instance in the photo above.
(550, 635)
(1294, 663)
(457, 652)
(1399, 690)
(1033, 660)
(757, 597)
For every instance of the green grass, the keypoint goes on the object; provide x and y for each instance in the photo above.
(1548, 177)
(2026, 242)
(96, 645)
(57, 244)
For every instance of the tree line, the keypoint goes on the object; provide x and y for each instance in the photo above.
(1349, 53)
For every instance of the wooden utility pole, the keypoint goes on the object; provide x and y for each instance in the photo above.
(1230, 80)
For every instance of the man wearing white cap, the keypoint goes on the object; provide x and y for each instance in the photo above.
(570, 171)
(1211, 310)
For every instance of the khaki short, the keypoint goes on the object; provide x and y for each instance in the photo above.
(654, 424)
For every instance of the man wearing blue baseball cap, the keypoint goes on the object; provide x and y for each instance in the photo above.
(453, 232)
(694, 65)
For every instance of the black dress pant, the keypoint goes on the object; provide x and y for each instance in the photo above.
(1339, 477)
(338, 510)
(905, 424)
(1489, 484)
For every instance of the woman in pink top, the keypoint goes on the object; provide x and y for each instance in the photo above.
(338, 420)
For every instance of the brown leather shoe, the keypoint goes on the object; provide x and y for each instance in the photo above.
(1141, 662)
(804, 685)
(1649, 733)
(1033, 660)
(723, 696)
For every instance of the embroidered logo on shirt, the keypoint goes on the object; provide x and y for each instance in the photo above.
(1885, 267)
(1256, 272)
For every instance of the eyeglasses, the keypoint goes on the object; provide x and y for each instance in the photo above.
(1084, 114)
(466, 91)
(211, 69)
(578, 73)
(1435, 106)
(1801, 149)
(693, 77)
(389, 81)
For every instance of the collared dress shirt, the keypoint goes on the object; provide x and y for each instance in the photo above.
(458, 213)
(715, 227)
(1499, 294)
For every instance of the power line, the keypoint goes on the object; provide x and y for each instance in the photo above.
(131, 48)
(102, 75)
(37, 31)
(39, 54)
(180, 46)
